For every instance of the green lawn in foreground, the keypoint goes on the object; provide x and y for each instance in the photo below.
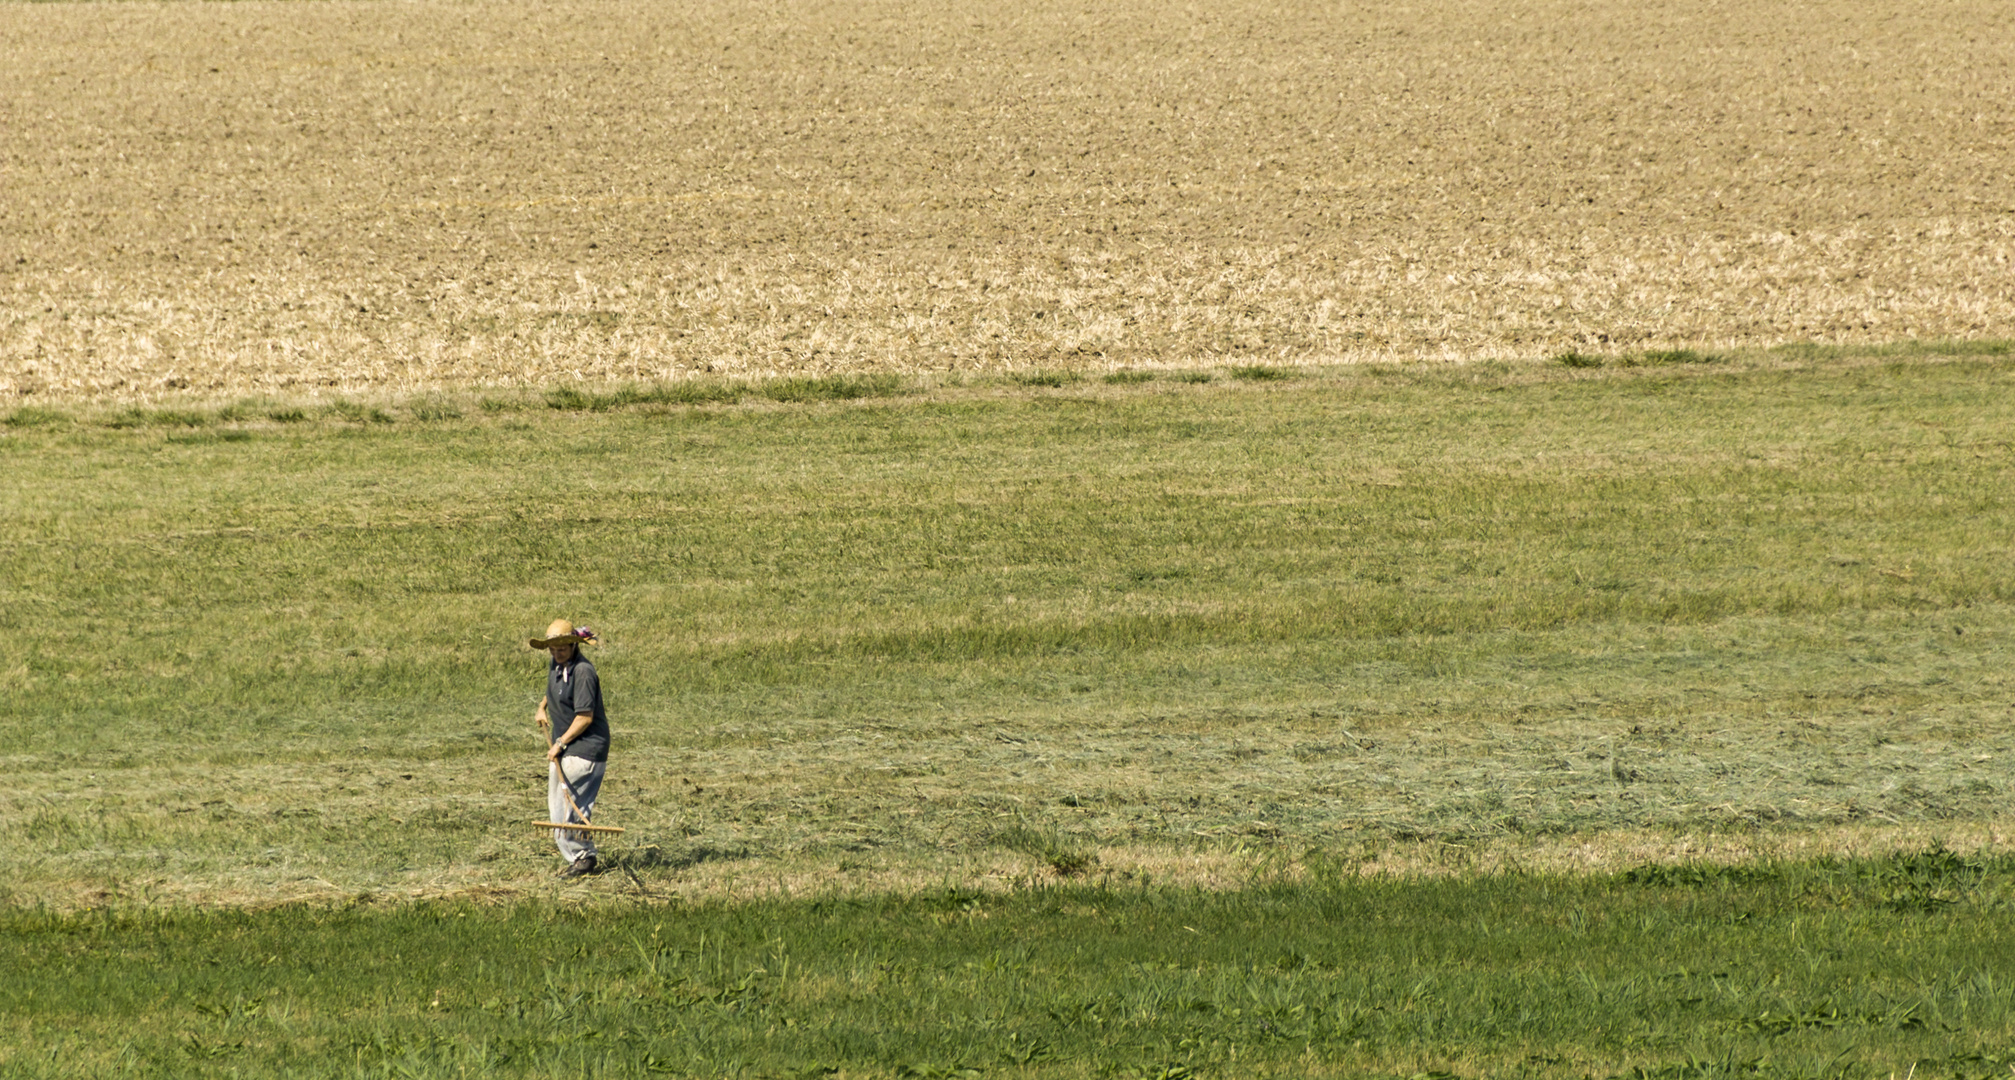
(1900, 966)
(276, 652)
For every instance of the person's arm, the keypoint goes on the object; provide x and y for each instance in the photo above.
(540, 716)
(574, 731)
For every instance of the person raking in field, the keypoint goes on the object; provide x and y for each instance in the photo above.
(577, 732)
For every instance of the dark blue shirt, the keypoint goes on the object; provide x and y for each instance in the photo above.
(572, 688)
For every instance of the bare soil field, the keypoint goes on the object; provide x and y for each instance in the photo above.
(299, 199)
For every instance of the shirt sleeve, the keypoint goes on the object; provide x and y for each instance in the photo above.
(587, 688)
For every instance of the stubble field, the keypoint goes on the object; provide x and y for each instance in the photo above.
(302, 199)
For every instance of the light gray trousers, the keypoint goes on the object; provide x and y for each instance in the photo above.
(584, 779)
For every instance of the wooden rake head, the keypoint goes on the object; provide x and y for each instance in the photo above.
(575, 826)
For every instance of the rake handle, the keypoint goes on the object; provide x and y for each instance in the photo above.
(567, 790)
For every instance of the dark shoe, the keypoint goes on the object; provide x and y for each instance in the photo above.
(582, 867)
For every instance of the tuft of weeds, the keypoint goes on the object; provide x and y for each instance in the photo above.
(1128, 377)
(1051, 379)
(357, 413)
(128, 419)
(1660, 357)
(1194, 377)
(831, 388)
(204, 437)
(702, 393)
(1261, 373)
(822, 388)
(33, 417)
(1926, 881)
(1060, 853)
(625, 397)
(1698, 875)
(434, 409)
(1579, 360)
(682, 393)
(239, 412)
(1814, 352)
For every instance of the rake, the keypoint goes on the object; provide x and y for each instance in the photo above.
(574, 826)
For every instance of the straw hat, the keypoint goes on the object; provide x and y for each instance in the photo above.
(563, 632)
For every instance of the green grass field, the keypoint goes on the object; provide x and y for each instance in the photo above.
(1241, 644)
(1832, 969)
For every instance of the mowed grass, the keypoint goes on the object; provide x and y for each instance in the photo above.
(1871, 968)
(995, 633)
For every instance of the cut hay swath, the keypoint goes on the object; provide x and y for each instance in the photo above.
(575, 826)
